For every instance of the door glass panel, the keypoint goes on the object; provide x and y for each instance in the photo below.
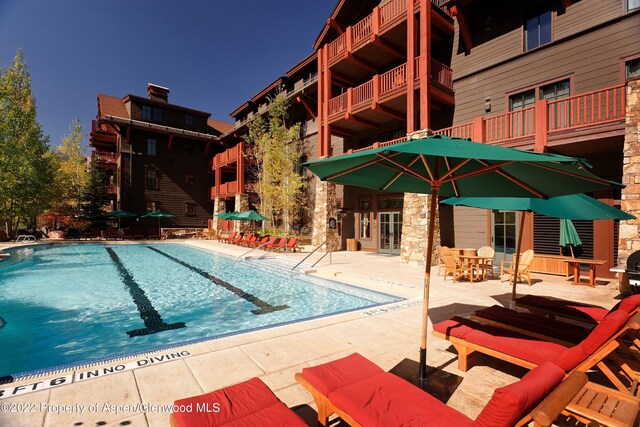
(504, 235)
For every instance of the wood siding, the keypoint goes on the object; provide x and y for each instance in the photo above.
(173, 191)
(470, 227)
(591, 60)
(170, 117)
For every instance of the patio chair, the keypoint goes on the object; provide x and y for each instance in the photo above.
(487, 265)
(290, 245)
(274, 246)
(262, 242)
(226, 239)
(441, 264)
(468, 337)
(572, 310)
(252, 238)
(524, 267)
(363, 394)
(245, 239)
(236, 240)
(453, 266)
(250, 403)
(539, 326)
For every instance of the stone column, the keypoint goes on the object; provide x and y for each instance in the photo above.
(415, 228)
(325, 209)
(241, 205)
(218, 208)
(629, 236)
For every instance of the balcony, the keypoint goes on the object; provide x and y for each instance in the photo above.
(385, 86)
(378, 22)
(227, 157)
(223, 191)
(578, 117)
(104, 157)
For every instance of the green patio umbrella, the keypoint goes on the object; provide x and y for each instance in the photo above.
(158, 214)
(227, 215)
(118, 214)
(440, 165)
(569, 234)
(251, 215)
(573, 206)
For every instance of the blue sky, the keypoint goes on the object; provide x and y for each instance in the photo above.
(213, 55)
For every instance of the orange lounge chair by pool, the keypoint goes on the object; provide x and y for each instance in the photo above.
(362, 394)
(570, 309)
(290, 246)
(226, 239)
(245, 239)
(261, 242)
(250, 403)
(273, 246)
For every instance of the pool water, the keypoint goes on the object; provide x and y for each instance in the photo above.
(73, 304)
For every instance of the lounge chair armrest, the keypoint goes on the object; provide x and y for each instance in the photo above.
(552, 406)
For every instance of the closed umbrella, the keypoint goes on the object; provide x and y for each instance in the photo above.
(440, 165)
(573, 206)
(569, 234)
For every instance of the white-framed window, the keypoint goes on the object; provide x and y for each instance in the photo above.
(537, 30)
(152, 146)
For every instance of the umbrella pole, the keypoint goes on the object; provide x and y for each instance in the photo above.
(517, 261)
(427, 282)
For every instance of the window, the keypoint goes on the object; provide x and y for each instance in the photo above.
(146, 112)
(153, 206)
(557, 90)
(537, 31)
(188, 120)
(188, 179)
(522, 100)
(190, 209)
(632, 5)
(151, 146)
(152, 179)
(157, 114)
(632, 68)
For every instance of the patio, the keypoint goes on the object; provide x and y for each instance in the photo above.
(386, 335)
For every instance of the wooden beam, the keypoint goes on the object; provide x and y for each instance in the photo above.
(340, 79)
(341, 132)
(306, 106)
(361, 121)
(388, 111)
(389, 47)
(362, 63)
(340, 28)
(463, 25)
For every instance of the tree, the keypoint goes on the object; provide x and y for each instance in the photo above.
(94, 197)
(27, 164)
(277, 153)
(72, 176)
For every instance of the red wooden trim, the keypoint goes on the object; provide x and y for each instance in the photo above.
(206, 148)
(336, 25)
(541, 125)
(478, 129)
(463, 25)
(425, 57)
(306, 106)
(240, 166)
(320, 95)
(170, 142)
(326, 88)
(375, 22)
(411, 72)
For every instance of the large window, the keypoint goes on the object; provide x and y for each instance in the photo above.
(151, 146)
(632, 68)
(556, 90)
(152, 179)
(146, 112)
(522, 100)
(537, 31)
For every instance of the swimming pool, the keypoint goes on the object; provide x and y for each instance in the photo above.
(65, 305)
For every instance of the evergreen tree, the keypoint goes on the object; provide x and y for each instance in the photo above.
(94, 197)
(27, 164)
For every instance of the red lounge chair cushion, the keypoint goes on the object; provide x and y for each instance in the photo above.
(629, 304)
(575, 309)
(247, 404)
(340, 373)
(565, 331)
(577, 354)
(387, 400)
(501, 340)
(511, 403)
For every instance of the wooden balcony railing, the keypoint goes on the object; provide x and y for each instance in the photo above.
(363, 93)
(225, 190)
(441, 74)
(393, 79)
(104, 157)
(227, 157)
(591, 109)
(338, 104)
(382, 18)
(587, 109)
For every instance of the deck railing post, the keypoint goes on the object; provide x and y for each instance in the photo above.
(541, 112)
(479, 130)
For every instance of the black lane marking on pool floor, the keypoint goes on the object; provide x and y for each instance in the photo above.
(264, 307)
(149, 315)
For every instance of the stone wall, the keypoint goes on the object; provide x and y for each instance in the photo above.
(325, 208)
(218, 208)
(629, 240)
(415, 224)
(241, 205)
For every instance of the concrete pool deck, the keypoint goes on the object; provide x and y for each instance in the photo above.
(387, 335)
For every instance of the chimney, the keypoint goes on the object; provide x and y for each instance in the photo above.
(157, 93)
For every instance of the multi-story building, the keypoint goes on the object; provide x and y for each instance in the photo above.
(156, 155)
(549, 76)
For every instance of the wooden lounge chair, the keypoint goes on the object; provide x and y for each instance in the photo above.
(572, 310)
(487, 264)
(290, 246)
(226, 239)
(589, 403)
(362, 394)
(245, 239)
(247, 242)
(524, 267)
(542, 327)
(274, 246)
(236, 240)
(468, 337)
(262, 242)
(250, 403)
(453, 266)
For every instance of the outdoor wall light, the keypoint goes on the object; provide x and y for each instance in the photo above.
(487, 104)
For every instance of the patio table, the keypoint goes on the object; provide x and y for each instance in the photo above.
(475, 262)
(574, 263)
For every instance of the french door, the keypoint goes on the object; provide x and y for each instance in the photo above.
(504, 236)
(390, 234)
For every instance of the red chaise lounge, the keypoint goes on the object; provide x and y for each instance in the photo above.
(362, 394)
(570, 309)
(248, 404)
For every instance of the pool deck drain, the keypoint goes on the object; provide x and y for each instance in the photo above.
(387, 335)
